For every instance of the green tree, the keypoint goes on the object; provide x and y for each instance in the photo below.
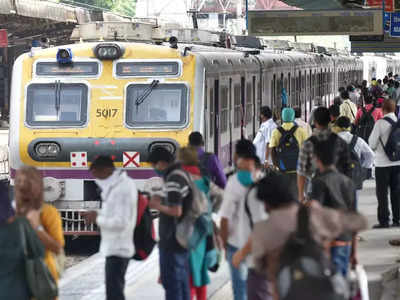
(124, 7)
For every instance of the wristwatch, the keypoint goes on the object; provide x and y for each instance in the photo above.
(40, 228)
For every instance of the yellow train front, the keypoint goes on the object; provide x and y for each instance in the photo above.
(73, 103)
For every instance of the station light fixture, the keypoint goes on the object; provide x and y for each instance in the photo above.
(108, 51)
(64, 56)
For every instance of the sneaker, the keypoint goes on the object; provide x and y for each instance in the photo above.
(395, 243)
(380, 226)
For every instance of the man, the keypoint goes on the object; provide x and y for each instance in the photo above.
(386, 172)
(209, 162)
(334, 190)
(117, 220)
(366, 118)
(261, 141)
(306, 166)
(300, 122)
(235, 220)
(171, 202)
(361, 148)
(348, 108)
(334, 112)
(280, 201)
(284, 152)
(317, 103)
(353, 95)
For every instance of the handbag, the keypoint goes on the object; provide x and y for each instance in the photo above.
(41, 284)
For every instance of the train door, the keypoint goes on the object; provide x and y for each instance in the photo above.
(231, 95)
(243, 104)
(224, 135)
(237, 109)
(255, 106)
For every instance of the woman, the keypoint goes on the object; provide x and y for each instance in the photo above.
(44, 218)
(197, 258)
(13, 281)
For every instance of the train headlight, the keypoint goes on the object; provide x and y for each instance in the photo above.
(64, 56)
(107, 51)
(47, 149)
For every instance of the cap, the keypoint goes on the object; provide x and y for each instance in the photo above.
(288, 115)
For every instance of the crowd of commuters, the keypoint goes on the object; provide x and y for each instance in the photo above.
(293, 173)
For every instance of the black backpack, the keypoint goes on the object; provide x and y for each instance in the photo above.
(304, 270)
(356, 170)
(144, 237)
(288, 150)
(203, 165)
(392, 147)
(365, 124)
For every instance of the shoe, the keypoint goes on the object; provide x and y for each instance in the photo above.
(395, 243)
(380, 226)
(396, 224)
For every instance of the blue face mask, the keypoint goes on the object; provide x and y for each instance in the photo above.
(245, 178)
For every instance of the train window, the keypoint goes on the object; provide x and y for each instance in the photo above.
(63, 104)
(237, 105)
(147, 68)
(78, 68)
(249, 103)
(212, 108)
(165, 105)
(224, 109)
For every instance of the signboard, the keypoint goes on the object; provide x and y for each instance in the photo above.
(146, 69)
(75, 69)
(3, 38)
(389, 4)
(320, 22)
(395, 24)
(389, 44)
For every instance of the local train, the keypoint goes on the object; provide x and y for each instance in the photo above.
(122, 99)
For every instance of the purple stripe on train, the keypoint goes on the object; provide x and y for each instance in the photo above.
(85, 174)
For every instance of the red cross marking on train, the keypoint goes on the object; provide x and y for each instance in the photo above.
(132, 158)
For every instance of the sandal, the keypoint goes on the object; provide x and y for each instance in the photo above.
(394, 243)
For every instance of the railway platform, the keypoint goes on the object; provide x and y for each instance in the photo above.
(86, 280)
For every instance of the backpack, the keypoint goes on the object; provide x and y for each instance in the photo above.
(144, 234)
(392, 147)
(287, 150)
(365, 124)
(194, 225)
(356, 170)
(203, 165)
(304, 270)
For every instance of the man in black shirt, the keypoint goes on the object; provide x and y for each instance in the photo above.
(171, 202)
(334, 190)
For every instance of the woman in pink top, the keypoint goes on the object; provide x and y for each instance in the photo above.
(376, 113)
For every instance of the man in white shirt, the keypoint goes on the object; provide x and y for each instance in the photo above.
(386, 172)
(117, 220)
(300, 122)
(348, 108)
(236, 224)
(263, 136)
(353, 95)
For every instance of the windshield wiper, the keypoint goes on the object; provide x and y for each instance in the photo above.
(58, 96)
(146, 93)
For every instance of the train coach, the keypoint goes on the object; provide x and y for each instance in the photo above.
(122, 99)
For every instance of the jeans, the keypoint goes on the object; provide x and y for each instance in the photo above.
(174, 273)
(387, 178)
(115, 277)
(258, 287)
(238, 275)
(340, 256)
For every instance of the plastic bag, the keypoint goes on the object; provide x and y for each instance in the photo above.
(359, 284)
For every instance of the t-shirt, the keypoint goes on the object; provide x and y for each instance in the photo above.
(233, 209)
(176, 192)
(300, 134)
(263, 138)
(334, 190)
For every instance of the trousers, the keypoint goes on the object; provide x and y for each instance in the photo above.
(115, 277)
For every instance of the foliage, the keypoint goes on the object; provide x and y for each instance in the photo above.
(124, 7)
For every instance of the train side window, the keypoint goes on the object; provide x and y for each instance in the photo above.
(212, 108)
(249, 103)
(224, 109)
(237, 106)
(60, 104)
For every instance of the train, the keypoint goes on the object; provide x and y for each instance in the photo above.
(72, 103)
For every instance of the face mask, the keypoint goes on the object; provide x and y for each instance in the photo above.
(245, 178)
(159, 172)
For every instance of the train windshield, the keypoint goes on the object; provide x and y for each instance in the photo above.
(152, 105)
(58, 104)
